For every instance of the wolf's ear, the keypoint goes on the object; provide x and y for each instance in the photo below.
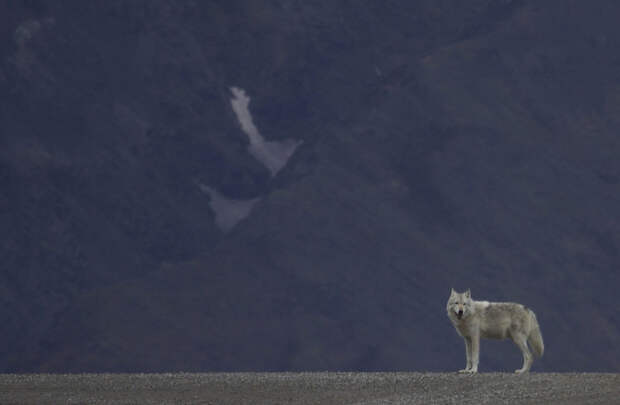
(468, 293)
(452, 292)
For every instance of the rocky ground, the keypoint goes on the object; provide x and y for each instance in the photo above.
(311, 388)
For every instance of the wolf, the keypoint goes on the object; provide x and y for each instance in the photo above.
(494, 320)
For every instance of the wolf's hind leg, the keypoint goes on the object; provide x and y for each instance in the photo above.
(468, 354)
(521, 341)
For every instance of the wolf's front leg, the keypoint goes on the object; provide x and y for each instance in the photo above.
(475, 352)
(468, 354)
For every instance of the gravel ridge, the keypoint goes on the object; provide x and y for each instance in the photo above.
(310, 388)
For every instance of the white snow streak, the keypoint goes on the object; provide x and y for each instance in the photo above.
(273, 154)
(228, 212)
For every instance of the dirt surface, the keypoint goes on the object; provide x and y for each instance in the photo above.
(311, 388)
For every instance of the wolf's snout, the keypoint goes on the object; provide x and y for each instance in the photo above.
(459, 314)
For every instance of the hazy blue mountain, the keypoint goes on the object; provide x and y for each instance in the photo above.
(288, 185)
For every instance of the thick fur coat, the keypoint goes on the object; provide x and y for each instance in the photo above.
(494, 320)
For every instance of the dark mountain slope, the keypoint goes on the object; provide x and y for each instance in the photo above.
(466, 144)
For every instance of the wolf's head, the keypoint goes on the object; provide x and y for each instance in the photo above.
(459, 304)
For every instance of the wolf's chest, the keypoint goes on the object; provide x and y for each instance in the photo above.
(462, 326)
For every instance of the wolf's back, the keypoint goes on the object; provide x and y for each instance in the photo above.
(535, 339)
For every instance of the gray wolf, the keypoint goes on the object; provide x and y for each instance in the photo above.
(494, 320)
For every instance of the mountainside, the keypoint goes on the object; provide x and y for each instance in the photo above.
(282, 185)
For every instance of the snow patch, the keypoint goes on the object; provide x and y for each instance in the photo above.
(29, 28)
(272, 154)
(228, 212)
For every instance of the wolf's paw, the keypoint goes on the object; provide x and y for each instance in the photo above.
(521, 371)
(467, 371)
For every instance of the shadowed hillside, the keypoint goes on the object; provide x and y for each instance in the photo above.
(419, 146)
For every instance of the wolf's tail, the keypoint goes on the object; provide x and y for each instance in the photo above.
(535, 339)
